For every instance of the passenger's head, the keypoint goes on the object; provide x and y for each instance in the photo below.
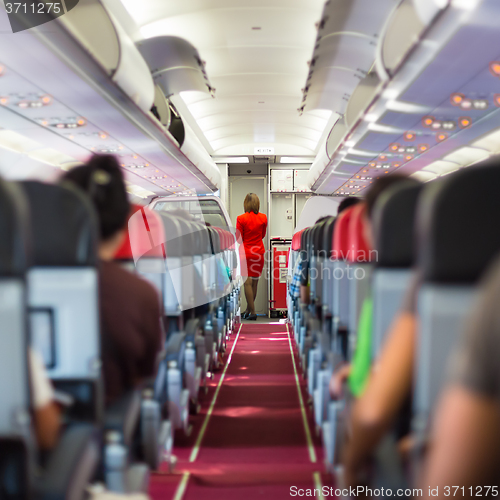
(346, 203)
(102, 179)
(251, 203)
(372, 195)
(321, 219)
(378, 187)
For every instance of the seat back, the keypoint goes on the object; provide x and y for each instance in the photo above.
(393, 228)
(340, 251)
(327, 263)
(359, 270)
(64, 292)
(456, 243)
(15, 439)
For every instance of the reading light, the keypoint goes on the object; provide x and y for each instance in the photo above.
(495, 68)
(466, 104)
(480, 104)
(464, 122)
(427, 121)
(456, 99)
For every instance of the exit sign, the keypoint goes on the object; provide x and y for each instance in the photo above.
(263, 151)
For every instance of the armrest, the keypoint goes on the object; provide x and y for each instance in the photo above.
(71, 465)
(123, 415)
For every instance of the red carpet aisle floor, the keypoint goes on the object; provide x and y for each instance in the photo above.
(253, 438)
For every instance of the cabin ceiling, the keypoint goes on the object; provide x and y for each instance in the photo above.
(256, 54)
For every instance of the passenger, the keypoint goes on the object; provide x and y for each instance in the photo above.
(350, 201)
(385, 400)
(465, 447)
(300, 286)
(252, 227)
(132, 335)
(357, 372)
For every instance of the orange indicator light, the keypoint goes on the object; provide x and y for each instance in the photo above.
(464, 122)
(394, 146)
(441, 137)
(456, 99)
(495, 68)
(409, 136)
(427, 121)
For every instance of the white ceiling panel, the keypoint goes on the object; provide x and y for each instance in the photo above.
(256, 54)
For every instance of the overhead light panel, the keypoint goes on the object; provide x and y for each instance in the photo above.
(423, 176)
(490, 142)
(467, 156)
(295, 159)
(233, 159)
(442, 167)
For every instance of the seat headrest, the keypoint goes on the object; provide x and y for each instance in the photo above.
(317, 237)
(63, 224)
(456, 224)
(14, 231)
(340, 246)
(296, 238)
(327, 237)
(303, 238)
(177, 235)
(125, 251)
(145, 235)
(393, 224)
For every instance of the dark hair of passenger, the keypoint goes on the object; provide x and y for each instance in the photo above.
(102, 179)
(378, 187)
(324, 217)
(251, 203)
(346, 203)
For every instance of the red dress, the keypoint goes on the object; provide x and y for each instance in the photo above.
(252, 228)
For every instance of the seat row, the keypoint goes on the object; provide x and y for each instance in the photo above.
(421, 250)
(49, 283)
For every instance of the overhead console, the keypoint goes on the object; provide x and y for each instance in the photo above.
(431, 103)
(79, 85)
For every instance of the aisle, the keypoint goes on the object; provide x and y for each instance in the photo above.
(253, 437)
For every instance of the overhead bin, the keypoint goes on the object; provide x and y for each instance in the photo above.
(175, 65)
(426, 106)
(96, 98)
(344, 51)
(103, 37)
